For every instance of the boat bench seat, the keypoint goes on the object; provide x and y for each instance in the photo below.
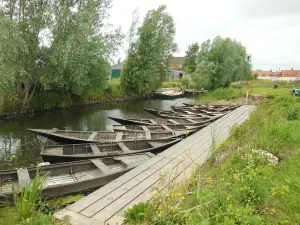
(154, 144)
(92, 136)
(95, 149)
(23, 176)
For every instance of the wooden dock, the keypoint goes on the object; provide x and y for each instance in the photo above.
(107, 204)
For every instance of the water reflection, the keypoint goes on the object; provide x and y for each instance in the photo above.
(20, 148)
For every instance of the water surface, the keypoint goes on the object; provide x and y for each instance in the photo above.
(21, 148)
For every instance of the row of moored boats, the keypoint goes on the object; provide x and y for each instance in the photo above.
(88, 159)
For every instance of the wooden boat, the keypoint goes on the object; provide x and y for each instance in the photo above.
(194, 92)
(170, 94)
(160, 127)
(77, 137)
(208, 111)
(218, 108)
(71, 177)
(63, 153)
(177, 121)
(182, 114)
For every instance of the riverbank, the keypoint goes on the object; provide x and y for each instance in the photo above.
(252, 178)
(47, 101)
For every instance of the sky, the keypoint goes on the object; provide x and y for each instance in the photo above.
(269, 29)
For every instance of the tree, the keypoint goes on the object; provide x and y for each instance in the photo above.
(61, 45)
(80, 51)
(221, 62)
(21, 57)
(189, 63)
(143, 71)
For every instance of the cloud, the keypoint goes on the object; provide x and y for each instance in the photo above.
(269, 29)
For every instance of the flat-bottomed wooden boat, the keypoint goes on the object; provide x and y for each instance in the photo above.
(181, 114)
(181, 121)
(63, 153)
(77, 137)
(160, 127)
(71, 177)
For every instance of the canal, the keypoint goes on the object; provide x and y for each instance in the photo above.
(20, 148)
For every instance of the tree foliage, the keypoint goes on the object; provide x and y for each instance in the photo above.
(61, 45)
(221, 62)
(189, 63)
(143, 71)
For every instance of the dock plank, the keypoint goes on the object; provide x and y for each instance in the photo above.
(107, 204)
(117, 205)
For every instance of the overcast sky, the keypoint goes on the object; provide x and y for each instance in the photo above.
(270, 29)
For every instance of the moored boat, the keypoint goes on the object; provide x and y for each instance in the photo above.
(170, 94)
(77, 137)
(176, 121)
(181, 114)
(63, 153)
(160, 127)
(71, 177)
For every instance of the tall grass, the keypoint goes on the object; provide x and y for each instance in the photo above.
(220, 93)
(28, 199)
(243, 186)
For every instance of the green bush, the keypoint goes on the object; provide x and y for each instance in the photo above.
(170, 84)
(220, 93)
(186, 81)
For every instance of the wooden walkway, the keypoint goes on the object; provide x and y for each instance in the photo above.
(107, 204)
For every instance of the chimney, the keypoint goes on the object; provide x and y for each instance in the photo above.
(270, 70)
(292, 69)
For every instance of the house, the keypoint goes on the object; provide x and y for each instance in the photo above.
(175, 66)
(284, 75)
(175, 63)
(116, 70)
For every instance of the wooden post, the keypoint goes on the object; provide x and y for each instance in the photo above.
(247, 96)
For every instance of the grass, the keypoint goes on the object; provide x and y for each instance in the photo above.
(252, 178)
(29, 209)
(220, 93)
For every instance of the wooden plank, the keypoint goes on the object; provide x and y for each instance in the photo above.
(145, 128)
(173, 121)
(133, 173)
(152, 121)
(166, 127)
(124, 147)
(119, 136)
(110, 210)
(190, 120)
(102, 191)
(92, 136)
(148, 135)
(95, 149)
(155, 144)
(97, 206)
(23, 177)
(97, 162)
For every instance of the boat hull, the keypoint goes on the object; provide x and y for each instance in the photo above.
(47, 157)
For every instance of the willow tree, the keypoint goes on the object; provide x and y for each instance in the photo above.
(61, 45)
(221, 62)
(144, 71)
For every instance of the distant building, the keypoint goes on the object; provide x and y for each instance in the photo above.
(116, 70)
(175, 63)
(287, 75)
(175, 66)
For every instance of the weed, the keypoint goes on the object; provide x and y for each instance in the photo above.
(27, 200)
